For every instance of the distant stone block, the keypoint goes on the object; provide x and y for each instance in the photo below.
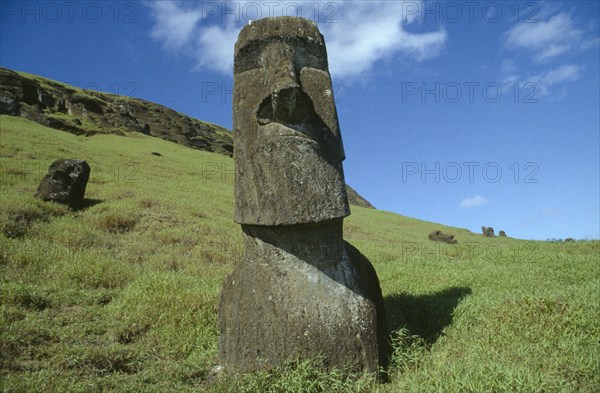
(65, 182)
(438, 236)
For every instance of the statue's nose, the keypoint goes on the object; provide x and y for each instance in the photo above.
(289, 105)
(279, 65)
(286, 102)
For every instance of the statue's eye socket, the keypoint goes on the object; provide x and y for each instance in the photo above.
(306, 54)
(310, 55)
(248, 58)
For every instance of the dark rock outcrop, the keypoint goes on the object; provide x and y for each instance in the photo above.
(86, 112)
(8, 105)
(502, 234)
(65, 182)
(355, 199)
(438, 236)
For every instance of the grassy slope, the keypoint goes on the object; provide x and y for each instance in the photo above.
(89, 123)
(123, 294)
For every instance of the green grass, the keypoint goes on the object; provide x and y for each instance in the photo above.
(122, 295)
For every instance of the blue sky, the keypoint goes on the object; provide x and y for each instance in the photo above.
(462, 113)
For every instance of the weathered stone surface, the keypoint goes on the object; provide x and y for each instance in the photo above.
(438, 236)
(502, 234)
(65, 182)
(488, 231)
(300, 291)
(287, 144)
(8, 105)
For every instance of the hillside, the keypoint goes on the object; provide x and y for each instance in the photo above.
(122, 295)
(86, 112)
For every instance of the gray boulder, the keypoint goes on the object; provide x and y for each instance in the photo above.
(8, 105)
(438, 236)
(65, 182)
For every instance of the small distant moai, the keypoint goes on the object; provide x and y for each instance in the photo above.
(438, 236)
(300, 291)
(488, 231)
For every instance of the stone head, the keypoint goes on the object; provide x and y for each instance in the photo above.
(288, 149)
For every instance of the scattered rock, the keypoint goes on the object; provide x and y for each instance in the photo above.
(228, 148)
(502, 234)
(45, 99)
(155, 153)
(8, 105)
(214, 374)
(438, 236)
(65, 182)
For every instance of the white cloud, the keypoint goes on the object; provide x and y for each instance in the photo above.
(546, 81)
(475, 201)
(542, 84)
(569, 72)
(371, 31)
(214, 48)
(173, 25)
(549, 38)
(358, 34)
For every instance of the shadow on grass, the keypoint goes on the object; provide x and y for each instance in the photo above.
(87, 203)
(424, 315)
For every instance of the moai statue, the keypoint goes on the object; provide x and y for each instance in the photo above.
(488, 231)
(65, 182)
(300, 291)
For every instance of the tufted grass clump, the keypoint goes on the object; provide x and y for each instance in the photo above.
(17, 217)
(308, 376)
(122, 295)
(117, 222)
